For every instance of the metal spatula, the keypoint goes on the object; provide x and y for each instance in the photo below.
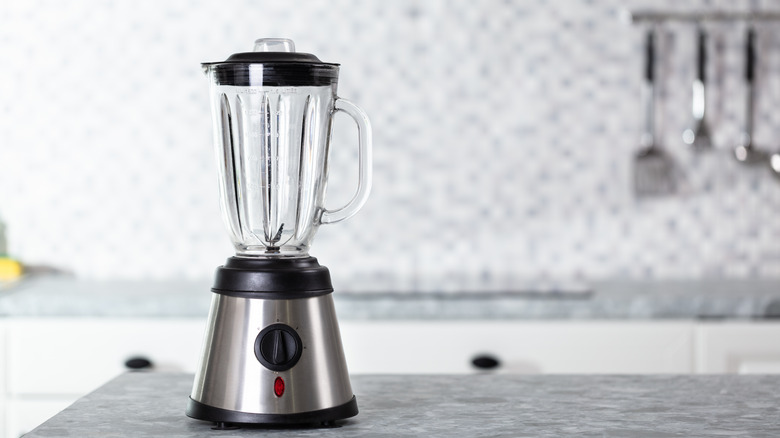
(654, 170)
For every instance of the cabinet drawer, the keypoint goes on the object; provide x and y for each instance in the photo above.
(738, 347)
(520, 347)
(74, 356)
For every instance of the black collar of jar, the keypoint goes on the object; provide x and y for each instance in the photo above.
(282, 278)
(273, 69)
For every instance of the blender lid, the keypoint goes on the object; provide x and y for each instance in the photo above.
(279, 63)
(272, 50)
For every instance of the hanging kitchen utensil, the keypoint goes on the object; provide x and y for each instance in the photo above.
(746, 152)
(654, 169)
(774, 163)
(698, 135)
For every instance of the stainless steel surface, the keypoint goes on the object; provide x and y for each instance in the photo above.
(655, 172)
(746, 152)
(230, 376)
(698, 135)
(774, 163)
(647, 138)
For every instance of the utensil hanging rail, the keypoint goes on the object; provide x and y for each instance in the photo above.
(699, 16)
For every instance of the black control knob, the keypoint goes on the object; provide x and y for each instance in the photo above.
(278, 347)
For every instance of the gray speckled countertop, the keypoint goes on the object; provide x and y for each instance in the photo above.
(152, 405)
(62, 296)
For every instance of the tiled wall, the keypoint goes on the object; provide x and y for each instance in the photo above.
(504, 140)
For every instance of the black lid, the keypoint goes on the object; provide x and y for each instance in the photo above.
(273, 63)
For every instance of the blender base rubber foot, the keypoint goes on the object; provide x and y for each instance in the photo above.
(221, 425)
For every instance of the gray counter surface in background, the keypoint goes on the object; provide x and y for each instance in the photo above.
(62, 296)
(152, 405)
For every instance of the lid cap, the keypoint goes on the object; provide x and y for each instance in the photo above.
(274, 45)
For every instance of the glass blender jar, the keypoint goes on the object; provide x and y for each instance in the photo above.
(272, 122)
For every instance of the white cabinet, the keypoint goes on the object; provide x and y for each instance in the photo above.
(51, 362)
(622, 347)
(73, 356)
(738, 347)
(3, 378)
(47, 363)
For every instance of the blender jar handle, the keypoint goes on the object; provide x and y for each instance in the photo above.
(364, 169)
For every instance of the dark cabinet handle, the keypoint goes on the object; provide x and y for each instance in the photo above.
(485, 362)
(138, 363)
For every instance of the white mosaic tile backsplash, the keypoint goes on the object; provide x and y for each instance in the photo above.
(504, 133)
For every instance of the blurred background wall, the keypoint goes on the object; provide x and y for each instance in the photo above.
(504, 140)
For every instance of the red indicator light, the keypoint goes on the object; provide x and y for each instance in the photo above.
(278, 386)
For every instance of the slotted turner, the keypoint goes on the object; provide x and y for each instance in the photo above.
(654, 169)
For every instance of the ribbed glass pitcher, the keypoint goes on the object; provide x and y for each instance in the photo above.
(272, 111)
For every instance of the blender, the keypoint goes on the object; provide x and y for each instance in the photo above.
(272, 352)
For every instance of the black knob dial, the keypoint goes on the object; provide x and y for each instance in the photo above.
(278, 347)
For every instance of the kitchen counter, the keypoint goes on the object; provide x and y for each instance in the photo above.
(62, 296)
(152, 404)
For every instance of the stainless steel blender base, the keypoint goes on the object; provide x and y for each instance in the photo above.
(274, 361)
